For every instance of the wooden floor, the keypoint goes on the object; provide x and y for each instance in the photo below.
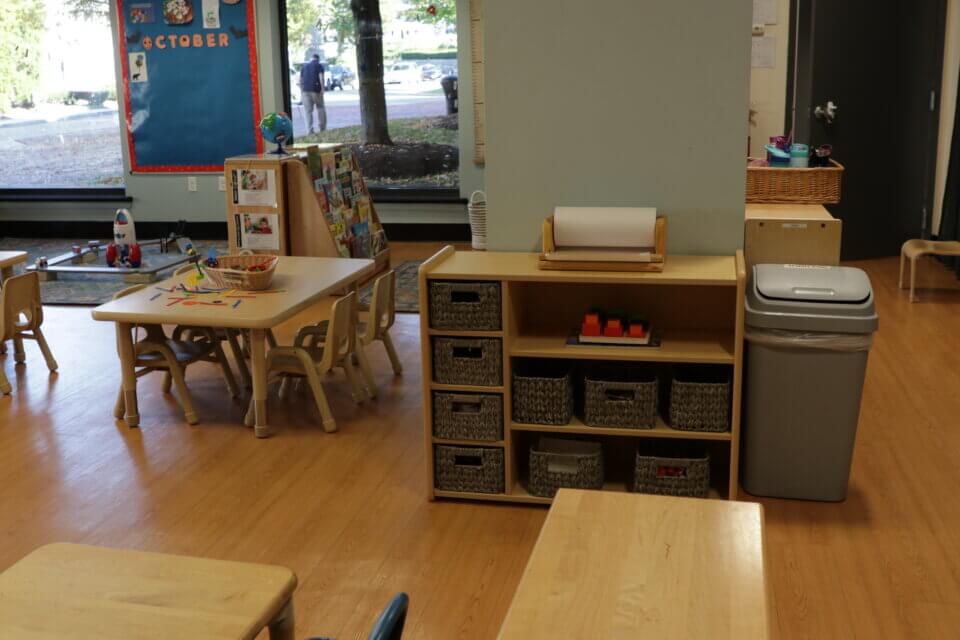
(347, 512)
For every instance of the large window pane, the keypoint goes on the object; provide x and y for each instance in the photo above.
(59, 125)
(419, 51)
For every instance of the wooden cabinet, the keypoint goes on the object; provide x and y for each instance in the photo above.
(696, 303)
(791, 234)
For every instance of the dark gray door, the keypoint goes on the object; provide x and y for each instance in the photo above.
(879, 64)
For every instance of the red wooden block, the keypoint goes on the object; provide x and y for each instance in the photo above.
(614, 329)
(637, 331)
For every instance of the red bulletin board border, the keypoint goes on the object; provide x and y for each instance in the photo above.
(128, 111)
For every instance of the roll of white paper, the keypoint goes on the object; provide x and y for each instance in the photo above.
(622, 227)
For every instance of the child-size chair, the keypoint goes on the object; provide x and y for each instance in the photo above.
(309, 359)
(380, 318)
(21, 315)
(157, 352)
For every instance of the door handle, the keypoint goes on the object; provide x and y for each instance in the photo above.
(826, 113)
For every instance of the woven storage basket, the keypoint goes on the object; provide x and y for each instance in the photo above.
(226, 276)
(474, 361)
(700, 406)
(542, 395)
(464, 416)
(468, 469)
(556, 464)
(465, 306)
(625, 404)
(672, 471)
(793, 185)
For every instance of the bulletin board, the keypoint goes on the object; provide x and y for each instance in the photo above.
(190, 89)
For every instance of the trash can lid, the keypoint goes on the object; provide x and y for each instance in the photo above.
(812, 283)
(810, 298)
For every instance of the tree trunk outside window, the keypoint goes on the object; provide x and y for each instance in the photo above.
(373, 102)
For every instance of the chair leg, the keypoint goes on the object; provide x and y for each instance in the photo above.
(326, 416)
(903, 263)
(5, 387)
(391, 352)
(119, 406)
(18, 353)
(359, 395)
(366, 371)
(189, 412)
(167, 379)
(3, 347)
(238, 357)
(248, 416)
(227, 371)
(45, 349)
(914, 263)
(271, 340)
(283, 391)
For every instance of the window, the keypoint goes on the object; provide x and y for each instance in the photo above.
(59, 126)
(419, 45)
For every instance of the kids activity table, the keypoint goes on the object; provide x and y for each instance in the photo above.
(297, 283)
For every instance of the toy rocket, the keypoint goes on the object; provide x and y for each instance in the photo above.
(124, 250)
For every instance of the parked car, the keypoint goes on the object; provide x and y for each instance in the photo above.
(336, 77)
(429, 72)
(402, 73)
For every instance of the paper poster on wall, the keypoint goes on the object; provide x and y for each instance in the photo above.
(255, 187)
(138, 67)
(763, 51)
(258, 231)
(196, 99)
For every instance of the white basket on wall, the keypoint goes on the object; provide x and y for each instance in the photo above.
(477, 210)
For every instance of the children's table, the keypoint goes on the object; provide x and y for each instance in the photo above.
(297, 283)
(86, 593)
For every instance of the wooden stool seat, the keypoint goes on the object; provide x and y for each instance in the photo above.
(914, 249)
(85, 593)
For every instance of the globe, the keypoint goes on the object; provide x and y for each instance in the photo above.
(276, 128)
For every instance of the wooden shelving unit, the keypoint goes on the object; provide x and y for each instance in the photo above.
(696, 303)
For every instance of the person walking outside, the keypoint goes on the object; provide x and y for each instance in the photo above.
(311, 89)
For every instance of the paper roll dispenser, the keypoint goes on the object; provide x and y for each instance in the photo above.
(604, 239)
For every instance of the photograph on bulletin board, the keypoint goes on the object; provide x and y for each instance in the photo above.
(189, 82)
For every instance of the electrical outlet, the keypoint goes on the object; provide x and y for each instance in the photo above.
(191, 183)
(222, 183)
(758, 30)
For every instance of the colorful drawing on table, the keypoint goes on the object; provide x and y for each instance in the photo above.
(211, 14)
(178, 11)
(142, 13)
(258, 231)
(138, 66)
(255, 187)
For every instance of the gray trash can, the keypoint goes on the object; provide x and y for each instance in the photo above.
(808, 333)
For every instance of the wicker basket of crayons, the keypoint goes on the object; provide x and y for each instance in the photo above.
(246, 272)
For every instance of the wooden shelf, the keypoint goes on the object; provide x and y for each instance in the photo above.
(704, 347)
(465, 334)
(469, 388)
(661, 430)
(469, 443)
(513, 266)
(519, 493)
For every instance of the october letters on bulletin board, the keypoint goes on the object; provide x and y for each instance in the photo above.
(189, 82)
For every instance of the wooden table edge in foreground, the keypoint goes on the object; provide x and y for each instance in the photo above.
(82, 591)
(615, 565)
(258, 329)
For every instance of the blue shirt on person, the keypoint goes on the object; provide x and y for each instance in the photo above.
(311, 76)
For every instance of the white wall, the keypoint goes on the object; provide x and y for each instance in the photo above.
(620, 103)
(948, 107)
(768, 86)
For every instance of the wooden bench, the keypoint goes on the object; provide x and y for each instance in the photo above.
(619, 565)
(912, 250)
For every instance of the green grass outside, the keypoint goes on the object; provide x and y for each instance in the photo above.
(401, 130)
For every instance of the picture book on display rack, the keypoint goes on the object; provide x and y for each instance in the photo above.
(346, 203)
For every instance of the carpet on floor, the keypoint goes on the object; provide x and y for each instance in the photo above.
(93, 289)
